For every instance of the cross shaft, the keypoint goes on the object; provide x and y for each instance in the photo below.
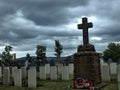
(85, 25)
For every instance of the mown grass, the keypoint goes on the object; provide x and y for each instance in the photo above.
(58, 85)
(42, 85)
(113, 85)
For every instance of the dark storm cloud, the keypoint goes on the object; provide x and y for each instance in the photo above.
(27, 23)
(45, 12)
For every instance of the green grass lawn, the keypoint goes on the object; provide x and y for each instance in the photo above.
(113, 85)
(58, 85)
(43, 85)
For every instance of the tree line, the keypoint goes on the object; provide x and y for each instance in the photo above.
(112, 52)
(7, 57)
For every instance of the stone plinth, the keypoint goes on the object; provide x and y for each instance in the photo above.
(87, 65)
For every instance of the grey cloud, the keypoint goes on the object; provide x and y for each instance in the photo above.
(46, 12)
(49, 16)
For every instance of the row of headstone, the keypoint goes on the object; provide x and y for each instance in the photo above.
(17, 77)
(105, 73)
(55, 72)
(19, 74)
(107, 70)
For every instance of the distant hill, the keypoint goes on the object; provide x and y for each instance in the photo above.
(48, 58)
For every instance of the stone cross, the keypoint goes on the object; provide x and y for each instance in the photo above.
(85, 25)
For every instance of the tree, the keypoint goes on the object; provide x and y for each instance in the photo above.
(28, 57)
(58, 49)
(112, 51)
(41, 53)
(7, 58)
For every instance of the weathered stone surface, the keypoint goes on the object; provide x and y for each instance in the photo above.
(105, 73)
(65, 73)
(0, 72)
(6, 76)
(85, 25)
(47, 66)
(24, 73)
(53, 73)
(43, 72)
(13, 68)
(71, 68)
(17, 77)
(59, 68)
(87, 65)
(86, 60)
(119, 86)
(32, 83)
(113, 68)
(118, 73)
(86, 47)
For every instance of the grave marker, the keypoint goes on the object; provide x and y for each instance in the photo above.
(43, 72)
(65, 73)
(32, 83)
(53, 73)
(118, 73)
(23, 72)
(0, 72)
(113, 68)
(13, 68)
(105, 74)
(6, 76)
(47, 66)
(18, 77)
(86, 60)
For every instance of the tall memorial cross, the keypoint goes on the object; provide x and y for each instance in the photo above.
(85, 25)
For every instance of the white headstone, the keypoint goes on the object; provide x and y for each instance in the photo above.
(105, 73)
(0, 72)
(6, 76)
(65, 73)
(119, 86)
(42, 72)
(23, 72)
(71, 68)
(26, 63)
(118, 73)
(13, 68)
(53, 73)
(60, 66)
(59, 70)
(113, 68)
(17, 77)
(32, 83)
(47, 66)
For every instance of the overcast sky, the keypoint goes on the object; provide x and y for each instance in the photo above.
(24, 24)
